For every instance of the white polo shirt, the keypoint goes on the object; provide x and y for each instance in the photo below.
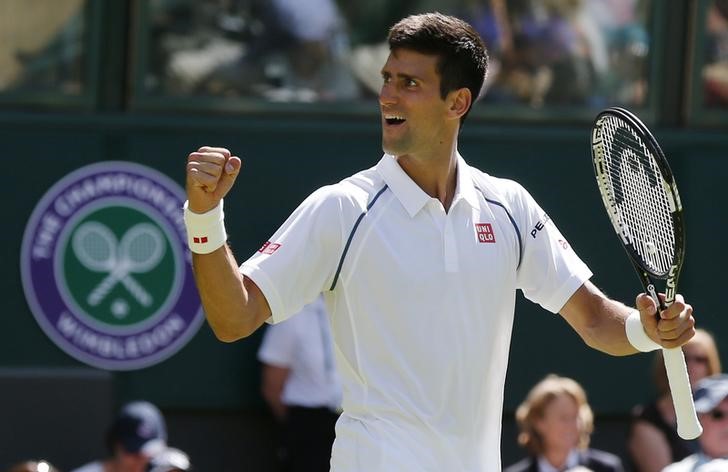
(302, 344)
(421, 303)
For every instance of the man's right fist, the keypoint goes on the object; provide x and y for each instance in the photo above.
(211, 172)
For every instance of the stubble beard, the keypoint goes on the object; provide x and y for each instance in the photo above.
(396, 146)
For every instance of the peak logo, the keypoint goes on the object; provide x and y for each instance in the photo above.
(105, 267)
(539, 226)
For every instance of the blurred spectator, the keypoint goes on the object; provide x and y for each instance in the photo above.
(43, 47)
(33, 466)
(284, 50)
(137, 434)
(170, 460)
(545, 56)
(715, 71)
(302, 387)
(575, 53)
(563, 52)
(711, 404)
(625, 79)
(619, 43)
(653, 442)
(555, 423)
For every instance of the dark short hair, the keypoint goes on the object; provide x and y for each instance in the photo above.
(722, 7)
(463, 59)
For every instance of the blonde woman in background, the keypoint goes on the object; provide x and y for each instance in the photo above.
(555, 423)
(653, 442)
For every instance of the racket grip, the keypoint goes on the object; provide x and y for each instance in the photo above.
(688, 426)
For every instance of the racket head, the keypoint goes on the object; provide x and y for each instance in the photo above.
(639, 192)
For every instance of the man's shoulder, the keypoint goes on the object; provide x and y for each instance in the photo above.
(497, 188)
(358, 189)
(366, 182)
(345, 198)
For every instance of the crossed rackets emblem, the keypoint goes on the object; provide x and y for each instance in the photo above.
(140, 250)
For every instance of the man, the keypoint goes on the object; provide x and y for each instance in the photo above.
(419, 259)
(137, 434)
(711, 404)
(300, 384)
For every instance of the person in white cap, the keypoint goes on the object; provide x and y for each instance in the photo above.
(137, 434)
(711, 404)
(170, 460)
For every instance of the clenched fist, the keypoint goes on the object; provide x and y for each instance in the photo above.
(673, 327)
(211, 172)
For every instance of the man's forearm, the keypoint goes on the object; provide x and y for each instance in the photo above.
(598, 320)
(231, 302)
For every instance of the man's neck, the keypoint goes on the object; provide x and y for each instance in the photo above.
(436, 175)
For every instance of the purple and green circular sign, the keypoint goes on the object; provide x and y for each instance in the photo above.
(105, 266)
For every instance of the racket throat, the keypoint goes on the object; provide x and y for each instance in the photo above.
(653, 293)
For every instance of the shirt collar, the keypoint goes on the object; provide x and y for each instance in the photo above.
(702, 459)
(412, 197)
(572, 460)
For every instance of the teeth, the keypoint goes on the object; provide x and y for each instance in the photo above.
(393, 117)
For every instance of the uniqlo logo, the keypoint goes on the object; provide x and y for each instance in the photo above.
(269, 247)
(485, 233)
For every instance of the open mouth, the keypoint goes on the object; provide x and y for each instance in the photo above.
(394, 120)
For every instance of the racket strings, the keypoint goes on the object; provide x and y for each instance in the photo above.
(638, 196)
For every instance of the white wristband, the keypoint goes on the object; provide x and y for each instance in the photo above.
(205, 231)
(636, 334)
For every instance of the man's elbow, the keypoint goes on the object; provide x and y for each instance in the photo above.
(230, 334)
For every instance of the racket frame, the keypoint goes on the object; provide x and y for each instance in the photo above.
(644, 273)
(688, 425)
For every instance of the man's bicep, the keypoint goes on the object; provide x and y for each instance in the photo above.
(257, 301)
(300, 259)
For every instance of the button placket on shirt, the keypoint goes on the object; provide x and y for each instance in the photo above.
(444, 222)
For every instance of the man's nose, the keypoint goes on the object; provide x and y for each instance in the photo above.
(387, 95)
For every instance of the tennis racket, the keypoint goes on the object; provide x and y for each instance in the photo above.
(641, 199)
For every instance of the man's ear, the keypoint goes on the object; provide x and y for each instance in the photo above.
(459, 102)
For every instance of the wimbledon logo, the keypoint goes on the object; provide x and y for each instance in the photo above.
(105, 266)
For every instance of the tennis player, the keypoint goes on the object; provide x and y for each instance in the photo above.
(419, 258)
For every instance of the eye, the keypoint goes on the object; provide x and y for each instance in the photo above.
(386, 78)
(411, 83)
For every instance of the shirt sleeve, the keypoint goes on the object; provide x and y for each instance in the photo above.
(550, 270)
(299, 260)
(279, 345)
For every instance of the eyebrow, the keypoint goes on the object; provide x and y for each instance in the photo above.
(400, 75)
